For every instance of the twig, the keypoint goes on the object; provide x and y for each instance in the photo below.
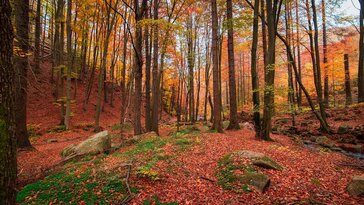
(208, 179)
(130, 195)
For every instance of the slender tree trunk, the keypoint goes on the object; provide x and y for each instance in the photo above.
(38, 31)
(361, 55)
(69, 67)
(21, 64)
(155, 71)
(215, 69)
(299, 93)
(347, 80)
(8, 166)
(324, 45)
(234, 124)
(254, 73)
(148, 61)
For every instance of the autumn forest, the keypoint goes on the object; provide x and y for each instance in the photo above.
(181, 102)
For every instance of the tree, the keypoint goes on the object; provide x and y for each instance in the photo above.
(38, 31)
(69, 63)
(139, 11)
(361, 55)
(254, 74)
(21, 12)
(273, 10)
(347, 80)
(324, 46)
(215, 69)
(8, 167)
(155, 71)
(234, 124)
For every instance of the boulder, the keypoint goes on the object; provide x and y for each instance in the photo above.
(247, 126)
(325, 141)
(249, 154)
(356, 186)
(98, 143)
(343, 129)
(267, 163)
(225, 124)
(258, 180)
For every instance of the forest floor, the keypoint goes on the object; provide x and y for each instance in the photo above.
(182, 167)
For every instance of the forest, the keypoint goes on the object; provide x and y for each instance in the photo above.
(171, 102)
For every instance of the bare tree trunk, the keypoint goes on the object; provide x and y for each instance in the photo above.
(8, 168)
(155, 71)
(234, 124)
(347, 80)
(38, 31)
(361, 55)
(215, 69)
(21, 65)
(254, 74)
(69, 67)
(148, 61)
(324, 41)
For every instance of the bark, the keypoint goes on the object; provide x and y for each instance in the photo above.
(70, 66)
(234, 124)
(8, 166)
(21, 12)
(347, 80)
(324, 45)
(155, 71)
(299, 93)
(191, 65)
(254, 74)
(38, 31)
(215, 69)
(361, 55)
(148, 61)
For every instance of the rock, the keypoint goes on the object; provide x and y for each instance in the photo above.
(258, 180)
(249, 154)
(225, 124)
(52, 140)
(356, 186)
(324, 141)
(138, 138)
(247, 126)
(352, 148)
(98, 143)
(267, 163)
(343, 129)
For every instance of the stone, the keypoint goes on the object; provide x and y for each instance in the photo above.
(98, 143)
(225, 124)
(247, 126)
(267, 163)
(257, 180)
(356, 186)
(325, 141)
(52, 140)
(249, 154)
(343, 129)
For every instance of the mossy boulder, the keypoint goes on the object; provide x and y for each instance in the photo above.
(356, 186)
(343, 129)
(259, 181)
(325, 141)
(98, 143)
(225, 124)
(248, 154)
(267, 163)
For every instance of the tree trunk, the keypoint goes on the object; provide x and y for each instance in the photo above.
(347, 80)
(254, 74)
(361, 55)
(148, 61)
(38, 31)
(234, 124)
(215, 69)
(21, 8)
(155, 71)
(69, 67)
(324, 45)
(8, 167)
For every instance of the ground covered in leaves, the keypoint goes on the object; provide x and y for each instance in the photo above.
(185, 168)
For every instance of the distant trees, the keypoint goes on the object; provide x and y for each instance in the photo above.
(8, 167)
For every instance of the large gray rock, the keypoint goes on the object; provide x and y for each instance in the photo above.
(258, 180)
(356, 186)
(267, 163)
(249, 154)
(98, 143)
(247, 126)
